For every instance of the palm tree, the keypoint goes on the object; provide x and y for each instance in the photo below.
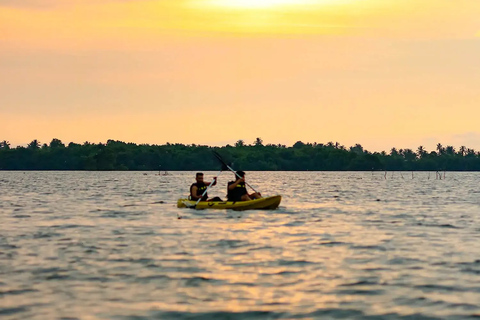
(450, 150)
(421, 152)
(35, 144)
(409, 155)
(258, 142)
(440, 149)
(57, 143)
(5, 145)
(298, 144)
(357, 148)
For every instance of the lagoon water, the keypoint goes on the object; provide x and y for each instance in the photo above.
(342, 245)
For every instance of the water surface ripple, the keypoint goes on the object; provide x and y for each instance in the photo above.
(343, 245)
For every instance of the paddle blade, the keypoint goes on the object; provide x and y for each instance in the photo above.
(222, 162)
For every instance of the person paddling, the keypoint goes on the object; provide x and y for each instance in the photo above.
(198, 188)
(237, 191)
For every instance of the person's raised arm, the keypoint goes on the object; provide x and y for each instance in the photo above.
(210, 183)
(235, 184)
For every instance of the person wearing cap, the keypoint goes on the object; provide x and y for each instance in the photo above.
(236, 190)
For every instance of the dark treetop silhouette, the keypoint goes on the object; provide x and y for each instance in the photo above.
(117, 155)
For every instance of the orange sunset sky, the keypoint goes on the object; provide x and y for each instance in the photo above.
(382, 73)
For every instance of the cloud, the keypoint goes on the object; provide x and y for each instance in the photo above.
(34, 4)
(28, 4)
(53, 4)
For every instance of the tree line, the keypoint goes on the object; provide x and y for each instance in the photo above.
(118, 155)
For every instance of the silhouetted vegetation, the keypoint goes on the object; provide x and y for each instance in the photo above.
(117, 155)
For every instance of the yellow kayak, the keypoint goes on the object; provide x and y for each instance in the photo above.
(268, 203)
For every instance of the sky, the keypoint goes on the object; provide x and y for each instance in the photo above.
(381, 73)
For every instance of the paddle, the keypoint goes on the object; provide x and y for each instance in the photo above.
(225, 166)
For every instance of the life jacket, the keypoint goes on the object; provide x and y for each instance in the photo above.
(237, 193)
(201, 187)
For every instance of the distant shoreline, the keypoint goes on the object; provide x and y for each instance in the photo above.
(198, 170)
(301, 157)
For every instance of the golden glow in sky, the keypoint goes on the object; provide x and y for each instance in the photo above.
(382, 73)
(258, 3)
(272, 4)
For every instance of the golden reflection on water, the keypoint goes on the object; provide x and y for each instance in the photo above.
(331, 245)
(277, 266)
